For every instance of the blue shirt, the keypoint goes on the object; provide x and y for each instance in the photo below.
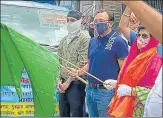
(103, 55)
(133, 38)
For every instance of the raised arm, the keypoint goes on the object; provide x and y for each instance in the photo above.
(124, 23)
(148, 16)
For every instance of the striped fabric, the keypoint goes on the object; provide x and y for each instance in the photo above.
(140, 100)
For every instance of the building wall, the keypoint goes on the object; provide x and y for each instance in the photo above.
(114, 7)
(157, 4)
(86, 8)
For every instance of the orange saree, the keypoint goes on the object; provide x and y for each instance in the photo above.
(132, 73)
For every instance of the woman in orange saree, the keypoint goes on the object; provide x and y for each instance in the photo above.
(136, 77)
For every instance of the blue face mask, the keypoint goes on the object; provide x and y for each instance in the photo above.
(101, 28)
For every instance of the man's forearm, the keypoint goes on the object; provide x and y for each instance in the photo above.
(120, 62)
(148, 16)
(85, 68)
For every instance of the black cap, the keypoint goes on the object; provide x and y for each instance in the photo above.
(74, 14)
(161, 11)
(140, 27)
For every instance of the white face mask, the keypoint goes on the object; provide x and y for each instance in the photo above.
(141, 43)
(74, 26)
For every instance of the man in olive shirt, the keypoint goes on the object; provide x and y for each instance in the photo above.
(73, 48)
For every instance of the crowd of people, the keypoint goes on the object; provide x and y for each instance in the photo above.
(124, 72)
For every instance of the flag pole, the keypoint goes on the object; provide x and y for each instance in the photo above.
(81, 69)
(81, 79)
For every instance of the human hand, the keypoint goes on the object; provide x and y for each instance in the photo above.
(73, 73)
(59, 86)
(82, 64)
(66, 84)
(110, 84)
(134, 22)
(124, 90)
(133, 18)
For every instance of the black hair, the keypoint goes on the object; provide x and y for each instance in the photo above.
(161, 11)
(110, 14)
(141, 27)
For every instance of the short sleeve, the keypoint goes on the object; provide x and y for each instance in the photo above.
(121, 48)
(132, 37)
(83, 48)
(89, 49)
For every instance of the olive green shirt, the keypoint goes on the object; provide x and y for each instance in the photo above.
(74, 52)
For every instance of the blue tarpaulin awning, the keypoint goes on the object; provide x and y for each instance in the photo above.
(46, 1)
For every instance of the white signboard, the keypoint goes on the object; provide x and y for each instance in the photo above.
(60, 34)
(52, 19)
(39, 24)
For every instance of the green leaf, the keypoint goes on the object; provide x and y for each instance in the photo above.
(11, 64)
(42, 67)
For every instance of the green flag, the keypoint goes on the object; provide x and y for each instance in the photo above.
(17, 52)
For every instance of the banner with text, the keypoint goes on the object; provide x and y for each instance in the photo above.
(10, 103)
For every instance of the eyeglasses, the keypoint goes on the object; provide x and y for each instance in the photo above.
(100, 21)
(144, 36)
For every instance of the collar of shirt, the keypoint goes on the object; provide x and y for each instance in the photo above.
(72, 36)
(107, 37)
(102, 41)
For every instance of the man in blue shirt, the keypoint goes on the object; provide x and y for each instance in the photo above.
(106, 53)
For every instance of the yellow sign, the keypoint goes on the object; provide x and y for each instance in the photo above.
(20, 109)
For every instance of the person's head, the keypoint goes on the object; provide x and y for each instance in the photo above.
(143, 37)
(74, 21)
(91, 28)
(134, 22)
(160, 11)
(103, 22)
